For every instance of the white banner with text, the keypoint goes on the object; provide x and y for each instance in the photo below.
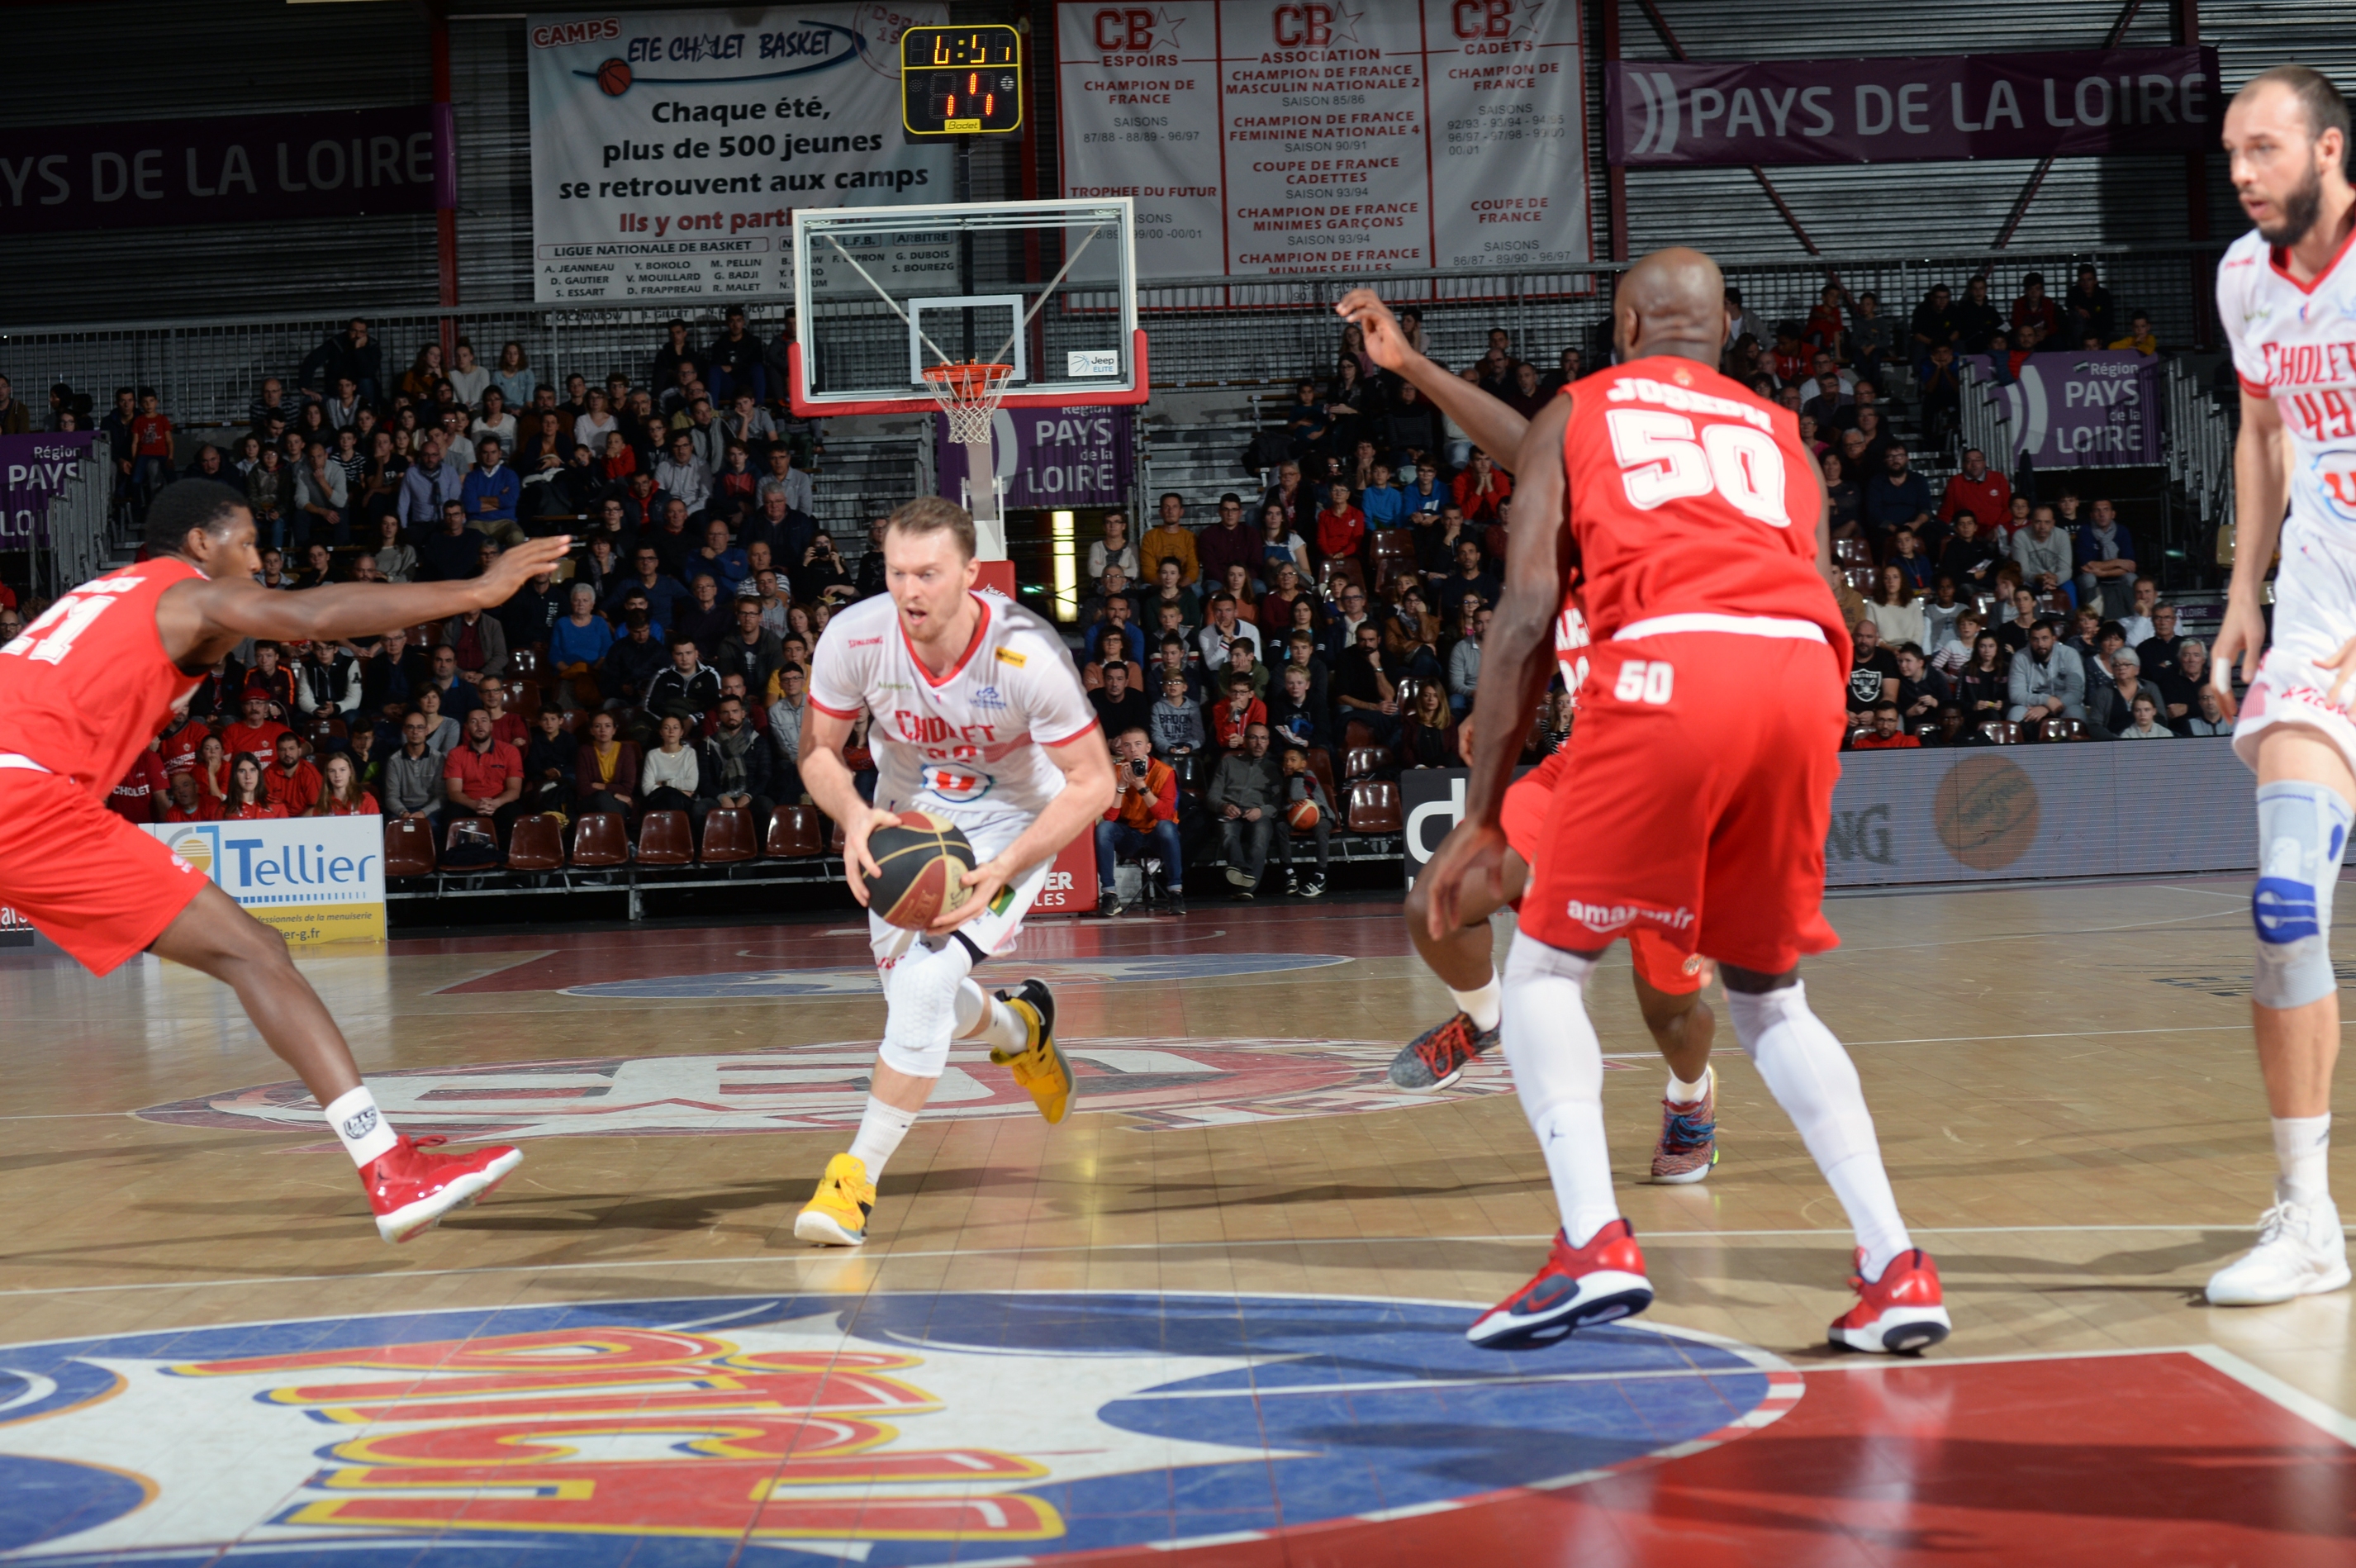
(317, 879)
(1270, 136)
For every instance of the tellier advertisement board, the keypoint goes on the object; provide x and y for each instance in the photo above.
(317, 879)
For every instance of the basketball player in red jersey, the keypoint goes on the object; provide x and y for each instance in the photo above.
(83, 691)
(1697, 793)
(1668, 982)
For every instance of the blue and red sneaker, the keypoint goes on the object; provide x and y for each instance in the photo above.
(1578, 1288)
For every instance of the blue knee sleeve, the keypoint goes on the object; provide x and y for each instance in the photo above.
(2302, 831)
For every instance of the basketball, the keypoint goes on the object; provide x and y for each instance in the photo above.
(614, 77)
(1302, 814)
(919, 865)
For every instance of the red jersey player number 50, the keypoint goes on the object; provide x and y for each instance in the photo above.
(1661, 459)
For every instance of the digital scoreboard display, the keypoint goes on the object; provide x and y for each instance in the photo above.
(961, 81)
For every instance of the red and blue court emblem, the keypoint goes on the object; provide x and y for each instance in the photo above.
(976, 1426)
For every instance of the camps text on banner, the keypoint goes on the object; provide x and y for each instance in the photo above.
(669, 150)
(1904, 109)
(1262, 136)
(317, 879)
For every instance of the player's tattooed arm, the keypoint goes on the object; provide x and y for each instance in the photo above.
(1494, 427)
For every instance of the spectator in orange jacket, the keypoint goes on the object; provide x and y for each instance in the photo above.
(1141, 821)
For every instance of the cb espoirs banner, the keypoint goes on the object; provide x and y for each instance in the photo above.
(318, 879)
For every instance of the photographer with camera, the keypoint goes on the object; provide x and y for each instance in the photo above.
(820, 574)
(1141, 821)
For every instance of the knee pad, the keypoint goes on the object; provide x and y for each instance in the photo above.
(2302, 830)
(922, 997)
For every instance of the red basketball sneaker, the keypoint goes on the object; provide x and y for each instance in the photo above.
(1579, 1288)
(410, 1189)
(1900, 1312)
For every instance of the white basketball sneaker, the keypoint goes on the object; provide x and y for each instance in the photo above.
(2300, 1252)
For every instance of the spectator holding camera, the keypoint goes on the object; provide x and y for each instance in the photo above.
(1141, 821)
(820, 574)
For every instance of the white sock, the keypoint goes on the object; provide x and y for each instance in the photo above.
(2303, 1150)
(983, 1017)
(1558, 1066)
(1683, 1093)
(1815, 1083)
(1485, 1006)
(365, 1132)
(880, 1132)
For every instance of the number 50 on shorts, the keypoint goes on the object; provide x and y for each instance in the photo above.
(1646, 680)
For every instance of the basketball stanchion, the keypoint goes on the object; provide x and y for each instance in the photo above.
(969, 392)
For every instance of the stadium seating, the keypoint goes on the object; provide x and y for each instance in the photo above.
(727, 836)
(536, 843)
(663, 838)
(599, 840)
(408, 847)
(796, 833)
(1374, 807)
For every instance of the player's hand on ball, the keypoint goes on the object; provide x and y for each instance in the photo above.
(858, 865)
(983, 885)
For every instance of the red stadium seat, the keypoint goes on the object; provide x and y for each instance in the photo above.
(2059, 728)
(727, 836)
(470, 844)
(325, 727)
(523, 697)
(2001, 732)
(598, 839)
(536, 843)
(1356, 733)
(576, 721)
(663, 838)
(1363, 762)
(1374, 807)
(1321, 763)
(796, 833)
(524, 664)
(408, 848)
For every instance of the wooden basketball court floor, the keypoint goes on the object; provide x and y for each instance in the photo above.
(1215, 1316)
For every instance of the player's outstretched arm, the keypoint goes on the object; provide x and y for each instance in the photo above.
(1494, 428)
(1086, 765)
(2261, 491)
(198, 618)
(1516, 661)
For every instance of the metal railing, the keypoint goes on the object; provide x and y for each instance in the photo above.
(74, 548)
(2199, 442)
(1205, 331)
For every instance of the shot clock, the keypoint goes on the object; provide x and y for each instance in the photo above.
(960, 82)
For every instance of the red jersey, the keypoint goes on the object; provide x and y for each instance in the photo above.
(253, 812)
(331, 807)
(206, 811)
(135, 797)
(180, 748)
(86, 684)
(1691, 496)
(298, 791)
(261, 740)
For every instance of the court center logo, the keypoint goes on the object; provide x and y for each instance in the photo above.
(1155, 1084)
(874, 1428)
(1986, 812)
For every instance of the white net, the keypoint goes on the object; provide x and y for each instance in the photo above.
(969, 394)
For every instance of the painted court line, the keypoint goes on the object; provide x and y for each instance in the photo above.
(800, 1257)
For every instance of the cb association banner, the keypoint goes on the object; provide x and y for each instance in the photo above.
(669, 148)
(318, 879)
(1270, 136)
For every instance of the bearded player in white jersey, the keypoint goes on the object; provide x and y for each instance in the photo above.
(979, 717)
(2286, 295)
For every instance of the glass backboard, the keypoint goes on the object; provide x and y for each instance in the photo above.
(882, 292)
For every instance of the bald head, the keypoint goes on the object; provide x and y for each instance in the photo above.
(1672, 302)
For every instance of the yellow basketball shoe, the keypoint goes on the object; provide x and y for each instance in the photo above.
(1039, 1067)
(836, 1215)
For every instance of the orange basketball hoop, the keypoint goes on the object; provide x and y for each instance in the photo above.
(968, 394)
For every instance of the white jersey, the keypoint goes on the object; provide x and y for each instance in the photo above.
(2296, 344)
(966, 745)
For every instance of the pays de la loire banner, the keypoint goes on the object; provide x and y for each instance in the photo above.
(669, 148)
(33, 469)
(1903, 109)
(2088, 409)
(1270, 136)
(317, 879)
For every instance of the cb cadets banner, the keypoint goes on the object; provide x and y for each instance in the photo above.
(1272, 137)
(317, 879)
(669, 148)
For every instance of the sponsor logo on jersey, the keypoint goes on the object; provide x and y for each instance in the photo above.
(1619, 917)
(958, 786)
(864, 1426)
(987, 699)
(1008, 656)
(866, 642)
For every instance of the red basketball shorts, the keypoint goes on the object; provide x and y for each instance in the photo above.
(1662, 967)
(87, 879)
(1695, 799)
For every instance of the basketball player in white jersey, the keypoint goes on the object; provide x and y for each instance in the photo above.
(2287, 295)
(979, 717)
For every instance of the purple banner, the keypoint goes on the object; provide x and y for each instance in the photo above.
(243, 168)
(1907, 109)
(33, 469)
(2086, 410)
(1050, 457)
